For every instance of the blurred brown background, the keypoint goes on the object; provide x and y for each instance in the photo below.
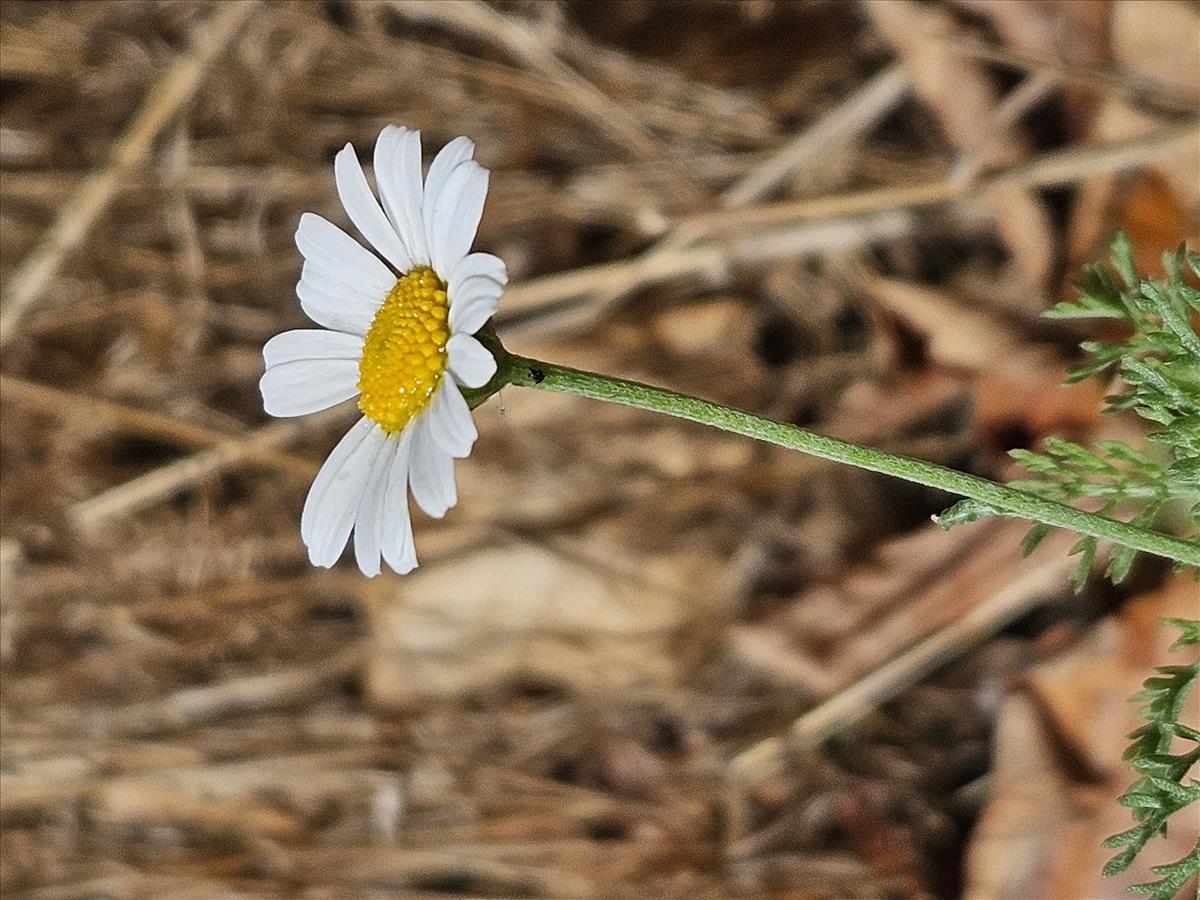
(639, 658)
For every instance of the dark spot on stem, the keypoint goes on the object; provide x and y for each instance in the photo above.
(537, 375)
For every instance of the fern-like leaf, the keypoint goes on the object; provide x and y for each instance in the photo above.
(1158, 367)
(1163, 788)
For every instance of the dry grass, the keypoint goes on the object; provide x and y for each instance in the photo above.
(639, 659)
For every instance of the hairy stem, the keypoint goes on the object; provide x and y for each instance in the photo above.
(1004, 500)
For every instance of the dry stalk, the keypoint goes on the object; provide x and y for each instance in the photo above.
(63, 404)
(1054, 169)
(167, 480)
(834, 129)
(518, 41)
(77, 216)
(768, 758)
(1165, 98)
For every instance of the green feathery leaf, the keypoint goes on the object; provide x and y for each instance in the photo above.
(1160, 792)
(1158, 369)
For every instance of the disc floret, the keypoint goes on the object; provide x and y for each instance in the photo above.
(404, 353)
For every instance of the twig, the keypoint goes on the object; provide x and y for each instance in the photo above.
(550, 294)
(1150, 92)
(181, 221)
(368, 868)
(851, 117)
(1048, 170)
(520, 42)
(255, 693)
(80, 213)
(167, 480)
(837, 126)
(767, 758)
(1015, 104)
(65, 404)
(672, 102)
(25, 793)
(523, 300)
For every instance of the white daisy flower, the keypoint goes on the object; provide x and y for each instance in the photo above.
(398, 336)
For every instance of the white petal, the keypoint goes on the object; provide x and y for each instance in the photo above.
(342, 284)
(336, 492)
(443, 164)
(399, 550)
(329, 469)
(456, 211)
(450, 421)
(470, 362)
(341, 256)
(431, 472)
(398, 174)
(384, 162)
(474, 289)
(480, 265)
(464, 220)
(332, 306)
(305, 386)
(466, 217)
(363, 209)
(311, 343)
(368, 523)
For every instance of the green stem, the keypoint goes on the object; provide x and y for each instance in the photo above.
(1005, 501)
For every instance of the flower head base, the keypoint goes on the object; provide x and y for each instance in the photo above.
(404, 354)
(396, 334)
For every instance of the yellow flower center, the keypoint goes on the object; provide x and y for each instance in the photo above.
(404, 354)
